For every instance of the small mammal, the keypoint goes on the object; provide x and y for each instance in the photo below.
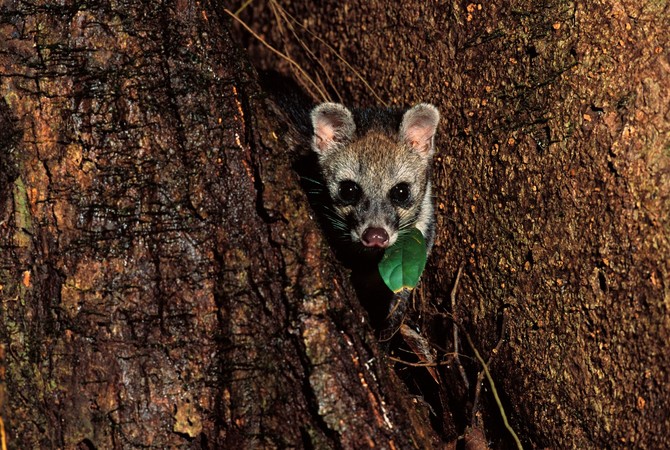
(378, 178)
(367, 173)
(376, 167)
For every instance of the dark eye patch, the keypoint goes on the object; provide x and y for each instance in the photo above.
(349, 192)
(401, 195)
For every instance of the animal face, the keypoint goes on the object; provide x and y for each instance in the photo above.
(379, 183)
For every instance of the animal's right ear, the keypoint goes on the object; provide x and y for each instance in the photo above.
(333, 126)
(418, 128)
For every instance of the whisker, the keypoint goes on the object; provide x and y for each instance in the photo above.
(313, 180)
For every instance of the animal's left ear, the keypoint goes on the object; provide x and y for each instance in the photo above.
(418, 128)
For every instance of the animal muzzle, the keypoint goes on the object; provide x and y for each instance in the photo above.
(375, 237)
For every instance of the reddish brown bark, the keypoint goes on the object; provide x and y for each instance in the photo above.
(162, 284)
(553, 186)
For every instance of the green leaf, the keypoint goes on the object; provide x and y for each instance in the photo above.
(403, 262)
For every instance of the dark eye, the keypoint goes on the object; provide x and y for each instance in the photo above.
(400, 194)
(349, 192)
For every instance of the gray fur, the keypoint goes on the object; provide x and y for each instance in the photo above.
(377, 161)
(333, 127)
(418, 128)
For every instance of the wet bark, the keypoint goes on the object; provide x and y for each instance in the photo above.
(162, 282)
(163, 285)
(553, 188)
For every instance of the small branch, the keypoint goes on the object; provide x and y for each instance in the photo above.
(455, 323)
(278, 11)
(495, 393)
(323, 95)
(243, 7)
(340, 57)
(480, 376)
(420, 364)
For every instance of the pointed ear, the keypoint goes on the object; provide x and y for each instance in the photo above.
(333, 126)
(418, 128)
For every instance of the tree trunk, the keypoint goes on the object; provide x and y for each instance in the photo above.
(553, 187)
(162, 283)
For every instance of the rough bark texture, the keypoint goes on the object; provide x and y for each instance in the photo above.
(162, 283)
(553, 185)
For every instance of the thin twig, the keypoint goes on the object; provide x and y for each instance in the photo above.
(480, 376)
(344, 61)
(323, 95)
(278, 10)
(241, 8)
(398, 301)
(433, 364)
(280, 21)
(495, 393)
(455, 332)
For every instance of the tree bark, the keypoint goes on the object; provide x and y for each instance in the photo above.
(552, 185)
(162, 283)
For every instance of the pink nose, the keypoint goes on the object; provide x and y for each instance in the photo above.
(375, 237)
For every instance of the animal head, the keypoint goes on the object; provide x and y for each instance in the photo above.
(379, 182)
